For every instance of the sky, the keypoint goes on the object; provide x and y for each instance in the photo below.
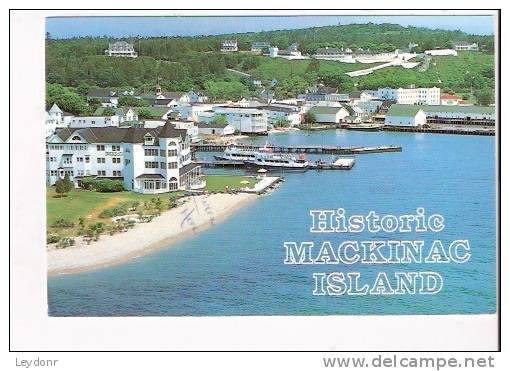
(118, 27)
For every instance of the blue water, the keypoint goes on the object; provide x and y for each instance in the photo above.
(236, 267)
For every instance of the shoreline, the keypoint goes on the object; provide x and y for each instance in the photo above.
(144, 238)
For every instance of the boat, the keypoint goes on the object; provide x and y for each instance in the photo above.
(233, 153)
(275, 162)
(364, 127)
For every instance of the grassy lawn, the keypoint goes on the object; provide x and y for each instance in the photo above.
(217, 183)
(81, 203)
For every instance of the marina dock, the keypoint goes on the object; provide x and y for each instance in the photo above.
(311, 149)
(265, 184)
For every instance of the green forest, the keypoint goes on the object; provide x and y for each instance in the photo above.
(74, 66)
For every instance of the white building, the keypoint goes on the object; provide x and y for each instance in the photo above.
(55, 119)
(192, 111)
(190, 127)
(260, 46)
(244, 120)
(94, 121)
(196, 97)
(431, 96)
(229, 46)
(273, 52)
(462, 45)
(215, 129)
(441, 52)
(293, 115)
(326, 114)
(405, 115)
(121, 49)
(146, 160)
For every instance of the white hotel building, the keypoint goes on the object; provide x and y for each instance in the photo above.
(153, 160)
(430, 96)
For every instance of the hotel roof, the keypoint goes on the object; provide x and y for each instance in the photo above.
(114, 134)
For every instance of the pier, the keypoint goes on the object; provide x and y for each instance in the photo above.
(311, 149)
(446, 130)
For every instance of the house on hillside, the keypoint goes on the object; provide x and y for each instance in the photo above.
(405, 115)
(463, 45)
(121, 49)
(229, 46)
(260, 46)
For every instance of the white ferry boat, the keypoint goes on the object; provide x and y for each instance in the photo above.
(271, 161)
(233, 153)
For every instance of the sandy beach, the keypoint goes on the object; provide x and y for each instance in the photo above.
(170, 227)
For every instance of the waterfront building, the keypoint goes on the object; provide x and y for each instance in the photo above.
(441, 52)
(191, 111)
(291, 114)
(260, 46)
(430, 96)
(245, 120)
(452, 100)
(457, 114)
(229, 46)
(214, 128)
(368, 107)
(121, 49)
(405, 115)
(463, 45)
(325, 114)
(146, 160)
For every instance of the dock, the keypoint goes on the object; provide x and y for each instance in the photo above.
(311, 149)
(265, 184)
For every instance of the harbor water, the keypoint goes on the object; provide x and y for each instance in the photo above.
(236, 267)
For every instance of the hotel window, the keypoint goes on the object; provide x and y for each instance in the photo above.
(101, 160)
(116, 148)
(151, 165)
(100, 147)
(101, 173)
(76, 137)
(148, 139)
(172, 184)
(117, 173)
(172, 152)
(116, 160)
(87, 159)
(172, 165)
(79, 159)
(93, 122)
(162, 153)
(151, 152)
(127, 162)
(162, 165)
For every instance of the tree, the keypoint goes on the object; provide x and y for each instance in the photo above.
(310, 118)
(129, 101)
(108, 111)
(220, 119)
(485, 97)
(63, 186)
(144, 113)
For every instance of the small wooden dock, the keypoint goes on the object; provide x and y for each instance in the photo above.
(310, 149)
